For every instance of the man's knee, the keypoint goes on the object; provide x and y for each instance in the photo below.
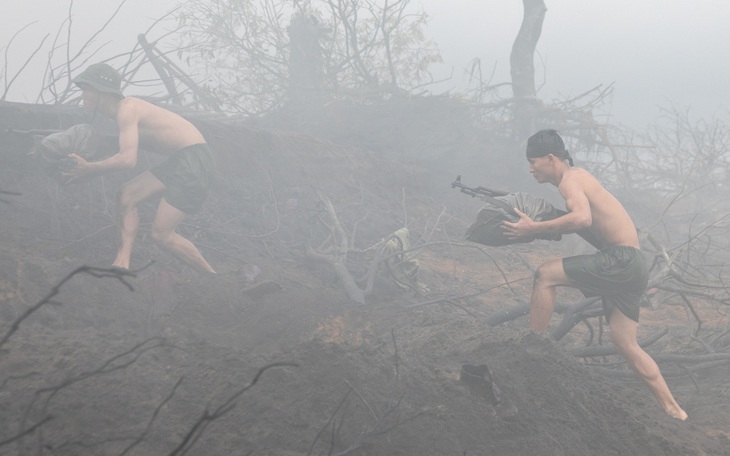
(160, 236)
(622, 343)
(538, 274)
(626, 344)
(551, 274)
(139, 189)
(542, 275)
(126, 197)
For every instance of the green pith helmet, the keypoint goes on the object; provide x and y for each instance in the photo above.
(101, 77)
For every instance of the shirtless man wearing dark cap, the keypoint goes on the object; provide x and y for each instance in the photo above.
(617, 272)
(183, 180)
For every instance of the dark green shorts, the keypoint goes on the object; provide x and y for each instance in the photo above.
(187, 176)
(617, 274)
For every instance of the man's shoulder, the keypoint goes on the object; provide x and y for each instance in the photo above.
(578, 170)
(580, 174)
(578, 179)
(131, 102)
(141, 109)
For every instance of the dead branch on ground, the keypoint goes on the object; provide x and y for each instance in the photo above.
(670, 273)
(3, 200)
(115, 273)
(121, 361)
(334, 252)
(42, 398)
(152, 419)
(380, 427)
(383, 423)
(26, 431)
(207, 417)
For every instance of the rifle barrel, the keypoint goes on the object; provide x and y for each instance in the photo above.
(474, 191)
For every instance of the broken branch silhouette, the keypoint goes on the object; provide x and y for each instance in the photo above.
(114, 273)
(335, 253)
(208, 417)
(382, 424)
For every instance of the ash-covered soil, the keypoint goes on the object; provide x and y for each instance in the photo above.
(182, 363)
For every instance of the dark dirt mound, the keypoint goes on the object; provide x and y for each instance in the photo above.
(167, 368)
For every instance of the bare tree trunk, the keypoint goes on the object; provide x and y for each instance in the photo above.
(522, 68)
(306, 75)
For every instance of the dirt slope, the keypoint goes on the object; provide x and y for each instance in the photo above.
(167, 368)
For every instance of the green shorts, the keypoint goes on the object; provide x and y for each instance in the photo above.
(617, 274)
(187, 176)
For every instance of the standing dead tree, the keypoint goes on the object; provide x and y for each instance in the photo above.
(523, 112)
(257, 52)
(522, 68)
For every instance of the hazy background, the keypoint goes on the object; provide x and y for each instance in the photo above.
(657, 53)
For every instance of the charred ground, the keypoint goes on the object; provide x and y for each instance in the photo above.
(188, 364)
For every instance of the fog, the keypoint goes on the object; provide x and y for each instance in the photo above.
(655, 53)
(344, 275)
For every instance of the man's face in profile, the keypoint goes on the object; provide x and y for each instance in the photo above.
(90, 98)
(540, 167)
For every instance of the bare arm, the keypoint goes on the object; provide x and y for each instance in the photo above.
(579, 209)
(128, 121)
(578, 217)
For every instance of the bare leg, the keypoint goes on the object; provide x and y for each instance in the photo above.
(166, 221)
(142, 187)
(623, 334)
(547, 277)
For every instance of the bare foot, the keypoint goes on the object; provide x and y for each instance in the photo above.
(678, 414)
(121, 265)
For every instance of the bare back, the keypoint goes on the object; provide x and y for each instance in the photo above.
(611, 224)
(159, 130)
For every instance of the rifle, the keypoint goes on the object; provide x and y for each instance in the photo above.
(476, 191)
(485, 193)
(488, 194)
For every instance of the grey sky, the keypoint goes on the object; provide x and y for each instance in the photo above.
(656, 52)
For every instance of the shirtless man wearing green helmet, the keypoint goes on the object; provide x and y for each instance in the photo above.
(183, 180)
